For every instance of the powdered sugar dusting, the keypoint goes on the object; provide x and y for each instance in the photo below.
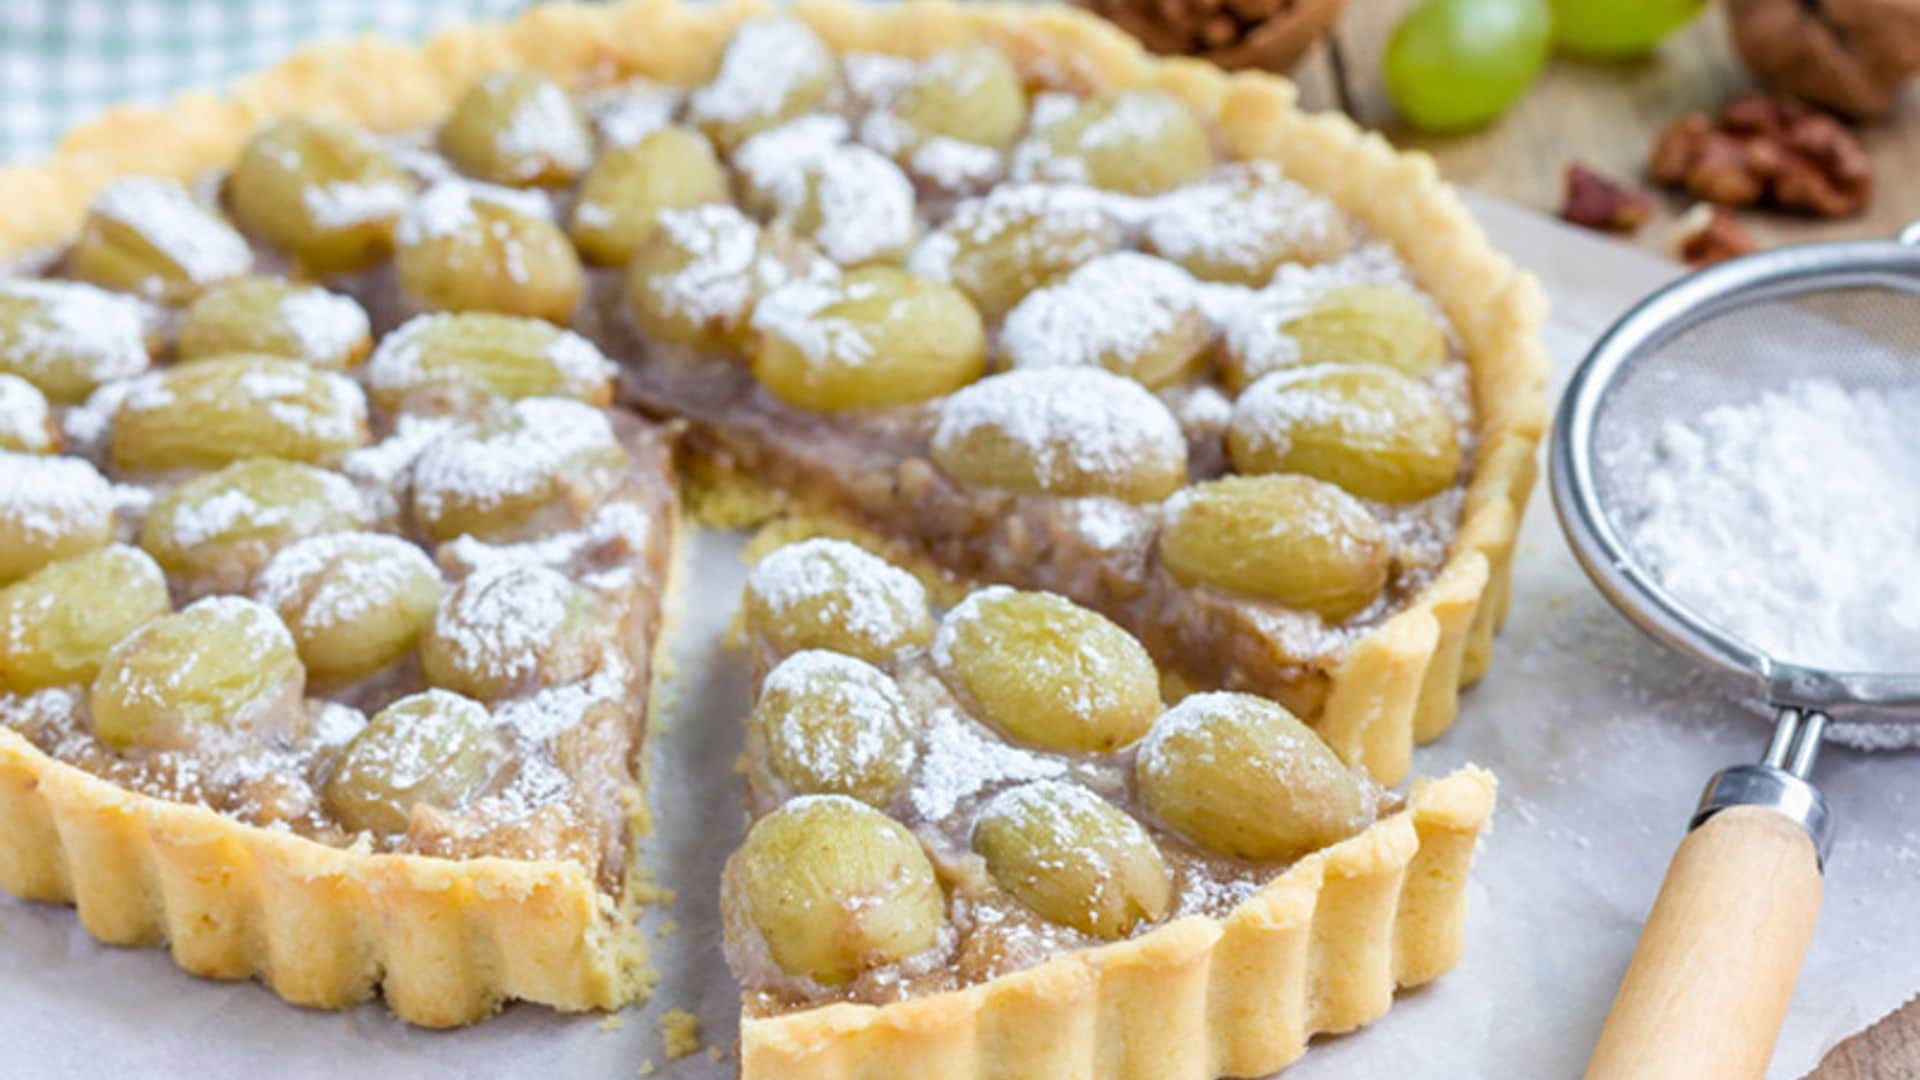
(765, 63)
(191, 237)
(448, 207)
(342, 576)
(327, 326)
(24, 417)
(343, 204)
(1275, 406)
(794, 313)
(72, 324)
(1111, 310)
(871, 726)
(960, 760)
(45, 498)
(877, 599)
(544, 129)
(1257, 330)
(487, 467)
(728, 267)
(496, 622)
(1071, 423)
(1244, 217)
(631, 111)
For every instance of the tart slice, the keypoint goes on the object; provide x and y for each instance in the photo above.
(346, 698)
(985, 848)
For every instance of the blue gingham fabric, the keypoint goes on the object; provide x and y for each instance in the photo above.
(63, 62)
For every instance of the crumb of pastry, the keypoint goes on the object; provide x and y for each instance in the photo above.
(680, 1032)
(714, 1053)
(646, 1067)
(613, 1022)
(668, 927)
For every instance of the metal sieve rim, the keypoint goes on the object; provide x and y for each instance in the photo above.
(1603, 553)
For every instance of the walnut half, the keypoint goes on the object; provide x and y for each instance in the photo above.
(1848, 55)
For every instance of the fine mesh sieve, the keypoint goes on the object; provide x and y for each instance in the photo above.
(1708, 985)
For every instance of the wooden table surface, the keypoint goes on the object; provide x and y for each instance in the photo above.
(1606, 116)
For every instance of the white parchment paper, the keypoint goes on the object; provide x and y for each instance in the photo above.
(1601, 742)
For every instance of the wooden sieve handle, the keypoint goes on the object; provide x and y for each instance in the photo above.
(1708, 986)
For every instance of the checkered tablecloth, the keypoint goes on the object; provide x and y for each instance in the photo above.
(65, 61)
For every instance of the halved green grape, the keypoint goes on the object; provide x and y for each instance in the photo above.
(321, 191)
(672, 168)
(148, 236)
(1071, 431)
(221, 666)
(1047, 671)
(1243, 223)
(827, 724)
(1620, 30)
(1074, 858)
(1129, 313)
(851, 201)
(878, 336)
(1382, 325)
(1454, 65)
(1141, 142)
(535, 459)
(1003, 245)
(1292, 539)
(67, 338)
(833, 888)
(1373, 431)
(467, 247)
(355, 602)
(972, 94)
(480, 354)
(772, 71)
(206, 414)
(219, 529)
(434, 748)
(26, 422)
(50, 508)
(518, 128)
(57, 624)
(1239, 775)
(696, 278)
(273, 317)
(513, 627)
(829, 594)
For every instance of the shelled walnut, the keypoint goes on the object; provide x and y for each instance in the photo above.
(1850, 56)
(1766, 149)
(1270, 34)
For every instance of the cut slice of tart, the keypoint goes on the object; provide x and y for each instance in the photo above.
(349, 699)
(985, 848)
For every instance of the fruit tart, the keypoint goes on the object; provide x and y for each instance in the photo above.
(983, 846)
(350, 407)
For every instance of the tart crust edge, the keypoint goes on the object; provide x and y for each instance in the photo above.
(446, 942)
(1319, 949)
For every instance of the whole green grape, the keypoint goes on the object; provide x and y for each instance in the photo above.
(1620, 29)
(1454, 65)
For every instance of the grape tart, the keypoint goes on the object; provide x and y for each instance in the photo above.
(862, 260)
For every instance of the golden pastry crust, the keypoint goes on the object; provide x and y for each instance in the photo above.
(1320, 949)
